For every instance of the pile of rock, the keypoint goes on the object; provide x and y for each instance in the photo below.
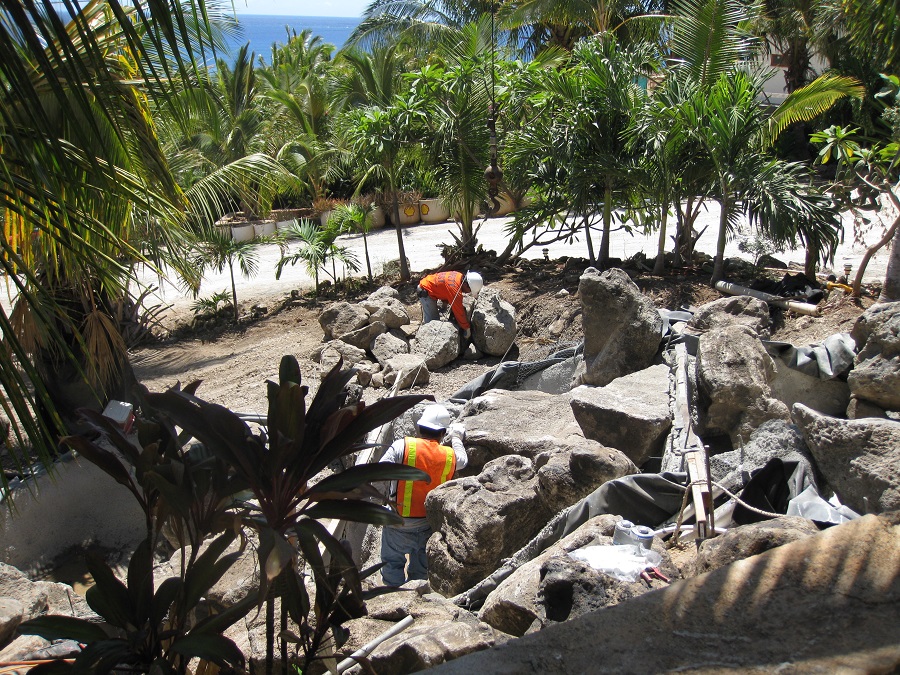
(375, 337)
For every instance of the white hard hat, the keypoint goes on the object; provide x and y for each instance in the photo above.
(435, 418)
(475, 282)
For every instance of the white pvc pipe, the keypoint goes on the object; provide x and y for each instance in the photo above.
(793, 305)
(366, 649)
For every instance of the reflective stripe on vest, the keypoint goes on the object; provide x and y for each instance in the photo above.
(438, 461)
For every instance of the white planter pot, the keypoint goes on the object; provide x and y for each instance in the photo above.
(409, 214)
(284, 225)
(324, 217)
(264, 229)
(507, 205)
(378, 219)
(244, 232)
(433, 211)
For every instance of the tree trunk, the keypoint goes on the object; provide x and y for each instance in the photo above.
(812, 259)
(607, 226)
(404, 268)
(890, 291)
(719, 265)
(237, 315)
(660, 265)
(867, 256)
(368, 263)
(587, 236)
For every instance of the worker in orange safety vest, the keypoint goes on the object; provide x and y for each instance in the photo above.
(440, 462)
(449, 287)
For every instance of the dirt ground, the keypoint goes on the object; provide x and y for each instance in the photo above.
(234, 363)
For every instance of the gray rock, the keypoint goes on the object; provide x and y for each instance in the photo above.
(493, 323)
(527, 423)
(364, 372)
(749, 540)
(11, 615)
(410, 367)
(837, 591)
(630, 414)
(775, 439)
(512, 607)
(790, 386)
(362, 337)
(331, 352)
(341, 318)
(438, 342)
(858, 458)
(735, 310)
(390, 311)
(621, 327)
(383, 293)
(477, 521)
(441, 632)
(388, 345)
(30, 597)
(24, 647)
(471, 353)
(858, 408)
(733, 374)
(876, 373)
(567, 474)
(555, 379)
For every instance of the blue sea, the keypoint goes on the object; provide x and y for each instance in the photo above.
(262, 30)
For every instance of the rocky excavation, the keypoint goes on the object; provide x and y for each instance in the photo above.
(797, 493)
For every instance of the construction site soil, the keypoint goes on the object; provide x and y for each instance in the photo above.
(234, 362)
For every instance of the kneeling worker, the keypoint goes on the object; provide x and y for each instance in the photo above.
(441, 463)
(448, 286)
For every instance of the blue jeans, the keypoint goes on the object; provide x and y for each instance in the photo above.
(396, 542)
(429, 308)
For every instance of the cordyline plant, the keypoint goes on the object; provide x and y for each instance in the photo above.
(275, 467)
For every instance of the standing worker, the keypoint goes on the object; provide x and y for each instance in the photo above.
(438, 461)
(448, 286)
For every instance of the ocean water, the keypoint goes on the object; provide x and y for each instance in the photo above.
(261, 31)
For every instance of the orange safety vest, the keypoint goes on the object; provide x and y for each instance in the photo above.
(438, 461)
(446, 286)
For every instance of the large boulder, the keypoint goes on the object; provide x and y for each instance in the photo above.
(858, 458)
(493, 323)
(775, 439)
(438, 342)
(21, 600)
(527, 423)
(441, 632)
(630, 414)
(791, 386)
(480, 520)
(333, 351)
(410, 368)
(621, 327)
(733, 374)
(749, 540)
(735, 310)
(876, 373)
(825, 604)
(552, 587)
(384, 293)
(388, 345)
(341, 318)
(362, 337)
(386, 309)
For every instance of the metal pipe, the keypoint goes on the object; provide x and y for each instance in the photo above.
(367, 648)
(793, 305)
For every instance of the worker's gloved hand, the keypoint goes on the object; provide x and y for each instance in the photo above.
(467, 333)
(456, 430)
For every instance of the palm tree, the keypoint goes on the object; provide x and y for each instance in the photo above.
(316, 246)
(82, 175)
(217, 250)
(376, 138)
(354, 217)
(577, 145)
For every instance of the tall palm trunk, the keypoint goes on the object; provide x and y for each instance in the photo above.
(719, 264)
(395, 207)
(607, 225)
(587, 236)
(234, 303)
(890, 291)
(660, 265)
